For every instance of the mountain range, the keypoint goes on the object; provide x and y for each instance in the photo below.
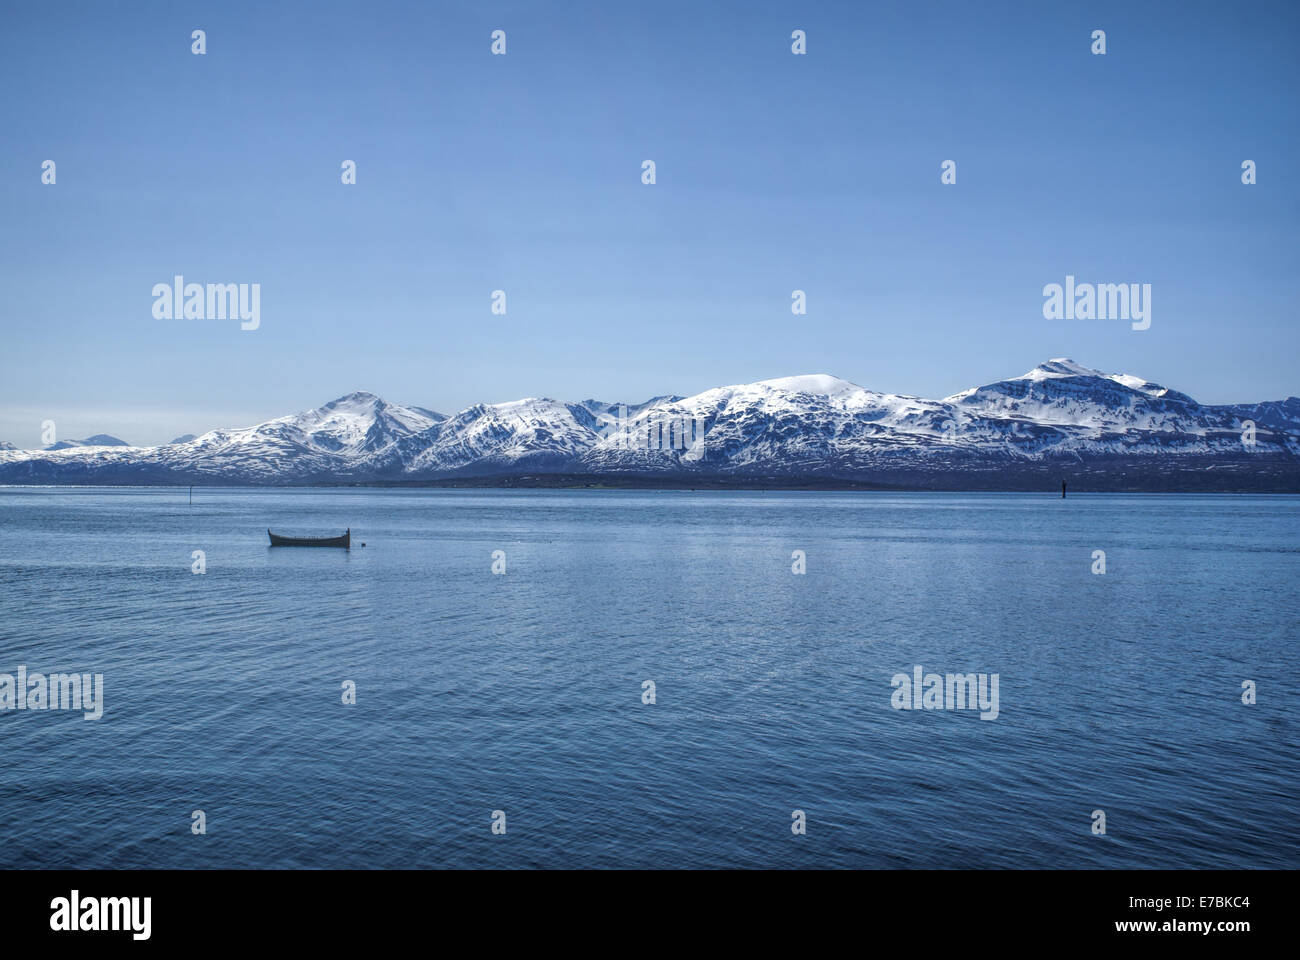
(98, 440)
(1059, 422)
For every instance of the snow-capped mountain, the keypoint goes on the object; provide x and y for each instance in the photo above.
(1060, 420)
(345, 440)
(98, 440)
(526, 434)
(1065, 394)
(1061, 407)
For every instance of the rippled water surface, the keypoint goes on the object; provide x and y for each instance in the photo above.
(522, 692)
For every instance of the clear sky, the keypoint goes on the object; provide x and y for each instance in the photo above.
(522, 172)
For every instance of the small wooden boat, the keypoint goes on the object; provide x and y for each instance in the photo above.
(344, 541)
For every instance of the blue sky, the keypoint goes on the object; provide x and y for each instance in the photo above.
(522, 172)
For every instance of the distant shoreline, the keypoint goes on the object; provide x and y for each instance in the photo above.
(703, 485)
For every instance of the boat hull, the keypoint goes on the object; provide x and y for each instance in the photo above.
(344, 541)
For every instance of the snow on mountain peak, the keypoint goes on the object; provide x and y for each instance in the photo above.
(98, 440)
(1060, 367)
(1061, 391)
(1065, 367)
(816, 384)
(356, 400)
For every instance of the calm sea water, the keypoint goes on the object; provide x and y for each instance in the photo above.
(522, 692)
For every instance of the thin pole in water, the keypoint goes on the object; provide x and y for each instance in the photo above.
(191, 496)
